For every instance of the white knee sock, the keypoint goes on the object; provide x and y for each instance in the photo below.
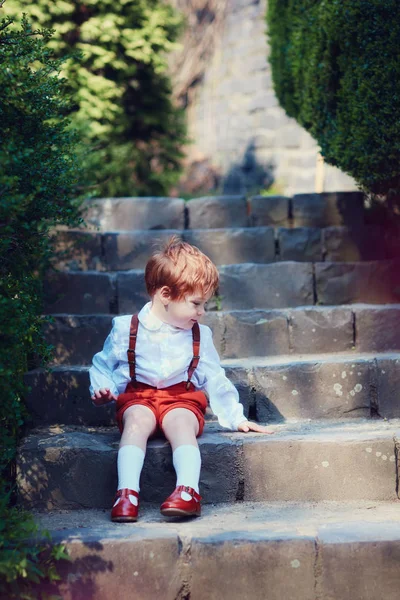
(130, 463)
(187, 464)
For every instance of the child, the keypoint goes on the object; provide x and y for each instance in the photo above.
(155, 366)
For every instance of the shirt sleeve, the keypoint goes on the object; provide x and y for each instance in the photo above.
(104, 364)
(224, 397)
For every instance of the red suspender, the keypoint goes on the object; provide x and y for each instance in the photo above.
(132, 345)
(196, 353)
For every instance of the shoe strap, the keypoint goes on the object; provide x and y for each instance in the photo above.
(125, 492)
(190, 491)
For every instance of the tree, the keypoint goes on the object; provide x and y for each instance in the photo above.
(121, 90)
(335, 68)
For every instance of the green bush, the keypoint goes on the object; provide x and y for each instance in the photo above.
(38, 181)
(24, 562)
(121, 90)
(335, 69)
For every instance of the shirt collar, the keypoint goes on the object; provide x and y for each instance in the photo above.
(149, 320)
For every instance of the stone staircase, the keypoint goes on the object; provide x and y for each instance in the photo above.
(307, 323)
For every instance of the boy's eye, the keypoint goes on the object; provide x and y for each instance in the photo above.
(196, 303)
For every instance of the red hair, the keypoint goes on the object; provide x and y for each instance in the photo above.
(183, 268)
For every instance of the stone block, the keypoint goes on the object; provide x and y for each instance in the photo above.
(392, 244)
(300, 244)
(76, 338)
(305, 161)
(326, 209)
(266, 286)
(270, 119)
(263, 140)
(132, 294)
(232, 246)
(269, 210)
(256, 565)
(353, 244)
(257, 102)
(254, 333)
(53, 464)
(328, 467)
(131, 250)
(77, 251)
(214, 321)
(366, 558)
(217, 211)
(300, 181)
(377, 328)
(241, 379)
(145, 567)
(62, 396)
(321, 330)
(387, 387)
(125, 214)
(346, 283)
(310, 389)
(219, 474)
(290, 136)
(79, 293)
(335, 179)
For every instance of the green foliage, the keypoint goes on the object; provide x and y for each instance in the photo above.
(38, 179)
(336, 70)
(24, 564)
(121, 90)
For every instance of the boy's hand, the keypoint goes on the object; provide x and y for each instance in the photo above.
(103, 396)
(247, 426)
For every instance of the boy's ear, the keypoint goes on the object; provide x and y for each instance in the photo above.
(165, 294)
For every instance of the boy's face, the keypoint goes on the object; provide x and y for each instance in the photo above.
(185, 312)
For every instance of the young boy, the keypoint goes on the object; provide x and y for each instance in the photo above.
(155, 366)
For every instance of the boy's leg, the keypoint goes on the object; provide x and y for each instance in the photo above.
(139, 423)
(181, 427)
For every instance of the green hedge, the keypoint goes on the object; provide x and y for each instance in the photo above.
(38, 181)
(336, 70)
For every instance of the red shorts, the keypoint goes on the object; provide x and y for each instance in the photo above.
(162, 401)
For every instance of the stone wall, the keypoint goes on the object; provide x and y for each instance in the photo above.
(237, 127)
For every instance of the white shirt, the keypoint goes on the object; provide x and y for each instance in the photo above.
(163, 355)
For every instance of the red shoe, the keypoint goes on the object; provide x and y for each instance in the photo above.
(174, 506)
(125, 511)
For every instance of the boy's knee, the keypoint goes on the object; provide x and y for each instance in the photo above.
(180, 419)
(137, 420)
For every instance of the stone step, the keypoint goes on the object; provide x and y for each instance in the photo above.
(135, 213)
(279, 551)
(271, 389)
(117, 251)
(304, 210)
(244, 333)
(69, 468)
(244, 286)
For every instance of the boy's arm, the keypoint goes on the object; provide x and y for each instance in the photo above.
(101, 371)
(224, 397)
